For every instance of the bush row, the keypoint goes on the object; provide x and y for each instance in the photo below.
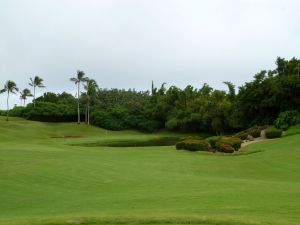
(253, 131)
(226, 145)
(234, 143)
(213, 140)
(193, 145)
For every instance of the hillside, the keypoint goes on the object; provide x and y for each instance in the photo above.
(48, 179)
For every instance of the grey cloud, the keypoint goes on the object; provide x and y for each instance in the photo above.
(128, 43)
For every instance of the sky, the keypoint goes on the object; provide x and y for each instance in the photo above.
(129, 43)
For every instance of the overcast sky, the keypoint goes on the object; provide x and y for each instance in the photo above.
(128, 43)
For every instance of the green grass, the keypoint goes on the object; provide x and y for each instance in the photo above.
(46, 180)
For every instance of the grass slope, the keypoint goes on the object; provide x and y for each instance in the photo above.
(46, 180)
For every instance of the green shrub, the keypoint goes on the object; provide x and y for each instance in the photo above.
(273, 132)
(241, 135)
(255, 132)
(287, 119)
(233, 142)
(196, 145)
(193, 145)
(226, 148)
(188, 138)
(180, 145)
(213, 140)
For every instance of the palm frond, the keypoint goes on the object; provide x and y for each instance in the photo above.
(73, 79)
(80, 74)
(84, 79)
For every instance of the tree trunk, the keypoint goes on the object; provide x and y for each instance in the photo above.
(7, 106)
(85, 116)
(78, 110)
(34, 96)
(88, 112)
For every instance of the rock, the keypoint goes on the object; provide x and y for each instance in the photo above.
(250, 137)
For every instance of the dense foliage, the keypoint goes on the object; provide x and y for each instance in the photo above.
(287, 119)
(271, 97)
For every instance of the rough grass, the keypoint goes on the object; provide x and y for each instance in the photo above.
(45, 180)
(158, 141)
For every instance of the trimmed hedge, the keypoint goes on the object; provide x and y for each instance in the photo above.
(241, 135)
(226, 148)
(180, 145)
(233, 142)
(255, 132)
(213, 140)
(273, 132)
(193, 145)
(189, 138)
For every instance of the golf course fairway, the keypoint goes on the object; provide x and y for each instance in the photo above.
(47, 177)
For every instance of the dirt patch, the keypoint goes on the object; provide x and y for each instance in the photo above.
(260, 139)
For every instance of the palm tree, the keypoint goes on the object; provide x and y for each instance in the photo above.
(91, 88)
(36, 82)
(231, 88)
(24, 94)
(9, 87)
(21, 99)
(77, 80)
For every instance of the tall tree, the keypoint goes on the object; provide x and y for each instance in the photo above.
(80, 78)
(91, 88)
(24, 94)
(9, 87)
(36, 82)
(231, 90)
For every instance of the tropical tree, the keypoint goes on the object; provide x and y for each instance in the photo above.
(36, 82)
(24, 94)
(91, 88)
(78, 80)
(9, 87)
(231, 90)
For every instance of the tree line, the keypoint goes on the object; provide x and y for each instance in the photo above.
(258, 102)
